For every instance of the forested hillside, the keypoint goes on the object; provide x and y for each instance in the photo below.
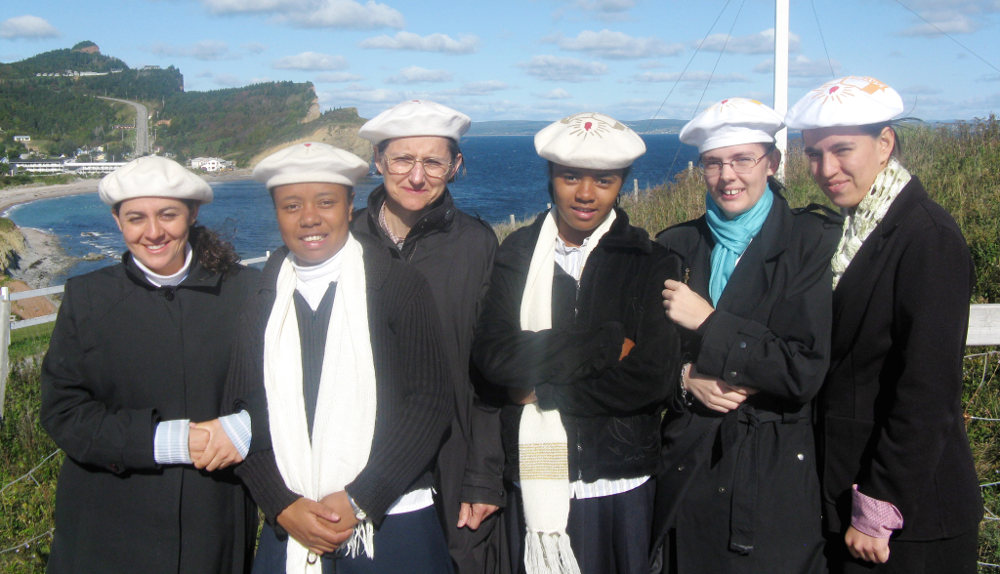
(53, 98)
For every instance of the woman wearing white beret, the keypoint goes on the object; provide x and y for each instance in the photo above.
(573, 332)
(343, 345)
(140, 349)
(900, 491)
(739, 491)
(413, 216)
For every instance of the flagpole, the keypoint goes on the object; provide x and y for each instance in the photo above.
(781, 77)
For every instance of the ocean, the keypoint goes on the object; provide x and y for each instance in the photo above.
(503, 176)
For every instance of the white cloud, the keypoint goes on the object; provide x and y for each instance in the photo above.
(939, 23)
(617, 45)
(691, 77)
(802, 67)
(363, 94)
(223, 80)
(759, 43)
(483, 88)
(254, 48)
(557, 69)
(418, 75)
(27, 26)
(206, 50)
(338, 77)
(430, 43)
(556, 94)
(310, 61)
(316, 13)
(348, 14)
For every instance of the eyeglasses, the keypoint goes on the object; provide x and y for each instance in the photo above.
(740, 165)
(434, 168)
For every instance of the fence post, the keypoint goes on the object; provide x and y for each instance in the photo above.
(635, 188)
(4, 344)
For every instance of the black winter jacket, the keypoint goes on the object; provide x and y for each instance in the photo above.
(124, 356)
(610, 407)
(454, 252)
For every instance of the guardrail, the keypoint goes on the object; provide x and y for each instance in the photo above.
(6, 298)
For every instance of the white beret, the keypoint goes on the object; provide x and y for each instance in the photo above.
(310, 162)
(733, 121)
(153, 176)
(416, 118)
(847, 101)
(589, 140)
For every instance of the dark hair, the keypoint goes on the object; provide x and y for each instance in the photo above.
(453, 150)
(213, 253)
(874, 130)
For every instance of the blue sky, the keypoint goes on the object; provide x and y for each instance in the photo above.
(539, 59)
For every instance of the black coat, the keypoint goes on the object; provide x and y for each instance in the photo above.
(740, 491)
(609, 407)
(454, 252)
(891, 414)
(125, 355)
(412, 402)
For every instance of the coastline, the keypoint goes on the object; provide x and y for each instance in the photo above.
(42, 256)
(13, 196)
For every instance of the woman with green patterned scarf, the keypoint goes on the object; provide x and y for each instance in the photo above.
(900, 490)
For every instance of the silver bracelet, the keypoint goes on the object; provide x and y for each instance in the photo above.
(685, 396)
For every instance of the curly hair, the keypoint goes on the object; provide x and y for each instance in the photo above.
(213, 253)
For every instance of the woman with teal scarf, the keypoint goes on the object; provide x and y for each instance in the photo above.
(738, 490)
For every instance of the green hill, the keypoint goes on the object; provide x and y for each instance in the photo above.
(51, 97)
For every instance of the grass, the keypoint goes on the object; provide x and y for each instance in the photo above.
(959, 165)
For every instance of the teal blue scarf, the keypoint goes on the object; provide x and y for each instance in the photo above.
(732, 236)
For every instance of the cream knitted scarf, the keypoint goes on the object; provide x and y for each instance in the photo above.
(345, 408)
(868, 214)
(544, 462)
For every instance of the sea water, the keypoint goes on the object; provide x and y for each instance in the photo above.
(502, 176)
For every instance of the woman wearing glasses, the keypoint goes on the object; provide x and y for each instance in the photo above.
(412, 216)
(739, 490)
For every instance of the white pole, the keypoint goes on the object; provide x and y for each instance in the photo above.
(781, 77)
(4, 344)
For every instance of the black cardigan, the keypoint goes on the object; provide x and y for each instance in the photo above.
(610, 408)
(413, 404)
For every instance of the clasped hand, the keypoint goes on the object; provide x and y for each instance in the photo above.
(320, 526)
(210, 447)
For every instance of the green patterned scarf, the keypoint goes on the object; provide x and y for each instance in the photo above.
(868, 214)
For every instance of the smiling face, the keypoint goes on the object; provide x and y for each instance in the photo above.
(155, 230)
(413, 192)
(313, 219)
(583, 199)
(844, 161)
(733, 192)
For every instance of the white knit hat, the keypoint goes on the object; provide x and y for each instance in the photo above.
(733, 121)
(416, 118)
(153, 176)
(847, 101)
(589, 140)
(308, 163)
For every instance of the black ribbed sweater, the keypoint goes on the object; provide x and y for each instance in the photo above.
(412, 387)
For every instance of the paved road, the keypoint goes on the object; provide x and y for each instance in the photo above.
(141, 125)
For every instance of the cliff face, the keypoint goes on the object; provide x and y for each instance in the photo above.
(11, 244)
(342, 136)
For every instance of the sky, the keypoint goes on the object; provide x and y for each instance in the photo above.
(539, 59)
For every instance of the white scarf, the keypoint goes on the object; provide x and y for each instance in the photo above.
(544, 461)
(868, 214)
(345, 408)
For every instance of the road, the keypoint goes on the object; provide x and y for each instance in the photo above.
(141, 125)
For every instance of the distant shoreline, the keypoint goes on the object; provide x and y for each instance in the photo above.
(14, 196)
